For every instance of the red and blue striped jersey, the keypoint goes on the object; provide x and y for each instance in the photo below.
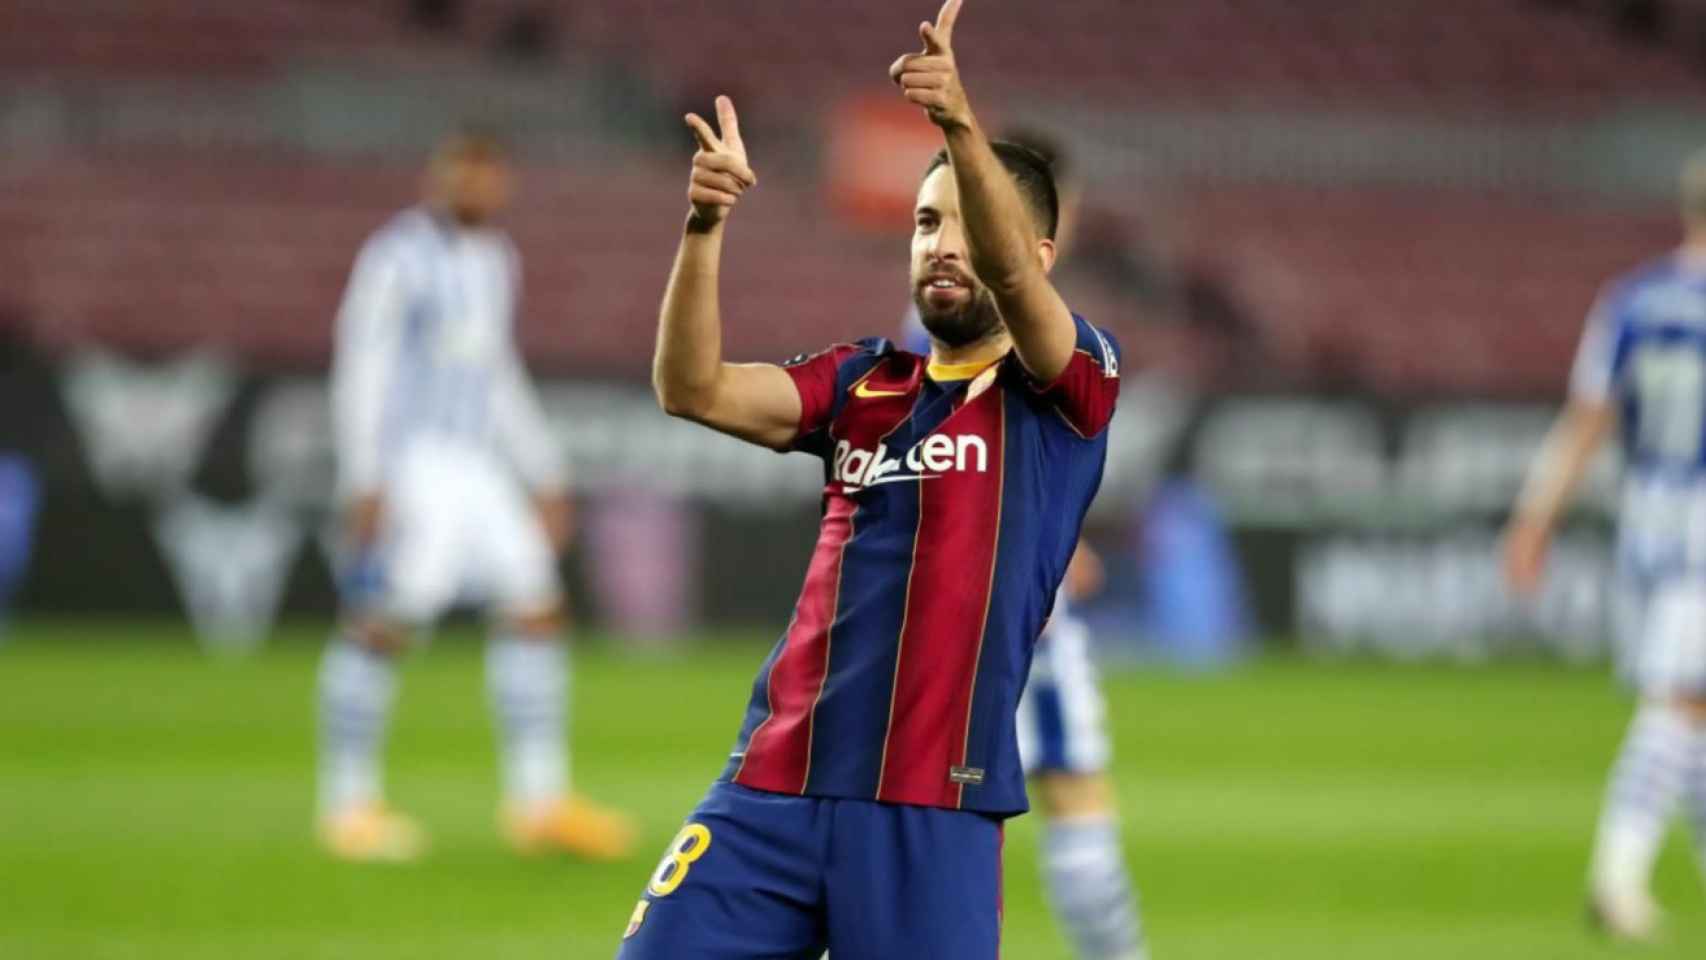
(952, 502)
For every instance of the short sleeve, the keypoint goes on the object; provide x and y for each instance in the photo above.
(815, 376)
(1085, 392)
(1595, 367)
(822, 380)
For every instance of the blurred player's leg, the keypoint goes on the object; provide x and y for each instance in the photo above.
(357, 684)
(527, 674)
(527, 671)
(1084, 868)
(1645, 786)
(1064, 743)
(404, 574)
(1663, 745)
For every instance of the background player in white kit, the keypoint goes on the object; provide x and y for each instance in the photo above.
(1062, 719)
(435, 422)
(1064, 745)
(1641, 372)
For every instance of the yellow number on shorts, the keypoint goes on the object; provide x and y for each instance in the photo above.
(638, 918)
(685, 850)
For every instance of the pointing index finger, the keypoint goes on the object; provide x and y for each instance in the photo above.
(702, 132)
(945, 22)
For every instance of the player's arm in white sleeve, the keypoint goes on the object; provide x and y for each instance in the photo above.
(368, 338)
(1002, 241)
(524, 433)
(753, 401)
(1588, 418)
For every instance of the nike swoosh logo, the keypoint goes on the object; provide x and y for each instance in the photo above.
(867, 393)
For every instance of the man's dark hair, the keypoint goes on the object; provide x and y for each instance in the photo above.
(1045, 145)
(1033, 174)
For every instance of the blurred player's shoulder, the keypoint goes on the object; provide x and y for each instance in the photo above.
(409, 223)
(1649, 274)
(402, 232)
(1666, 290)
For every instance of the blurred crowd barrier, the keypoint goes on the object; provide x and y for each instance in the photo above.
(1353, 523)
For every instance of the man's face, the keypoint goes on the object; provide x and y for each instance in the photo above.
(956, 308)
(473, 189)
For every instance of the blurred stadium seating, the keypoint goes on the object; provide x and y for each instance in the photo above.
(161, 245)
(1413, 54)
(196, 39)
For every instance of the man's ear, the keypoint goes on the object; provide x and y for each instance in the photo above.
(1046, 253)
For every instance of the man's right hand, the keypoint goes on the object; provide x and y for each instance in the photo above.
(362, 521)
(1525, 547)
(720, 170)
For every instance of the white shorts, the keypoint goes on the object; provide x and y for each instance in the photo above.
(1062, 718)
(459, 529)
(1661, 634)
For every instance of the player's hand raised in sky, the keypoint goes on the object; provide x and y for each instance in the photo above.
(932, 79)
(720, 170)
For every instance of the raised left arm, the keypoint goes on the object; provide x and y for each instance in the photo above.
(1006, 249)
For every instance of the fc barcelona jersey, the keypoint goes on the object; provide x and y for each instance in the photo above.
(952, 501)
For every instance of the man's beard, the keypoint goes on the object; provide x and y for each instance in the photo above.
(959, 326)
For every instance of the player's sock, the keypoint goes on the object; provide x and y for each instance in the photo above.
(527, 677)
(357, 685)
(1646, 783)
(1084, 869)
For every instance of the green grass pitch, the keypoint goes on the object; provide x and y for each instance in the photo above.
(155, 803)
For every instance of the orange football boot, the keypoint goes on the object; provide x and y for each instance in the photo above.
(573, 825)
(370, 833)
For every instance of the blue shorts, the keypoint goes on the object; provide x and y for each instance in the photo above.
(767, 876)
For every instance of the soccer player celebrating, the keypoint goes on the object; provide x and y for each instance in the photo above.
(861, 809)
(1062, 722)
(435, 417)
(1641, 373)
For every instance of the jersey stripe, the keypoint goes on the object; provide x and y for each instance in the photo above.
(1000, 471)
(1012, 612)
(947, 601)
(778, 757)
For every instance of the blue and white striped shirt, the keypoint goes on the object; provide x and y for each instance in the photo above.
(1644, 351)
(426, 349)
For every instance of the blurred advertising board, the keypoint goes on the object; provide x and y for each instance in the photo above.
(1360, 525)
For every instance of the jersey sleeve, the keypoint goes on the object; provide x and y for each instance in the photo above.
(523, 430)
(1595, 369)
(822, 380)
(369, 332)
(1085, 392)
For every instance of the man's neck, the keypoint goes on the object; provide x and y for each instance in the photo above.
(985, 351)
(447, 218)
(1693, 249)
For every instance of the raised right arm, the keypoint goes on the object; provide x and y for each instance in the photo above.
(756, 402)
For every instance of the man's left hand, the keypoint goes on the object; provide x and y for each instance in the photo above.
(932, 79)
(557, 515)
